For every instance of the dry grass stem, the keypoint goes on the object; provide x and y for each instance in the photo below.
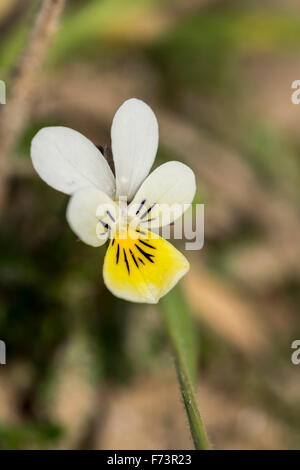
(23, 83)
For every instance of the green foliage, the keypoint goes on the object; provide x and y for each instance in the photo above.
(27, 434)
(13, 43)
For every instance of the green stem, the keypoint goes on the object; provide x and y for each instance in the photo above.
(181, 333)
(197, 428)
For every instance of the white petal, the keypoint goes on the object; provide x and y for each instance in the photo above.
(164, 196)
(82, 213)
(134, 136)
(68, 161)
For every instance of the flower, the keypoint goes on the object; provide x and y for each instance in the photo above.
(139, 265)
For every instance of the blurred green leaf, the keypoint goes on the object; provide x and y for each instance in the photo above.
(13, 43)
(89, 26)
(21, 436)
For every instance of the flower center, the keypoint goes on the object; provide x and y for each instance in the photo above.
(116, 218)
(113, 219)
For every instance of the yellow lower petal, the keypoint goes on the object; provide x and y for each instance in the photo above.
(142, 267)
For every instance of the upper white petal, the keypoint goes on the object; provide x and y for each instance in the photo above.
(68, 161)
(134, 136)
(166, 193)
(82, 216)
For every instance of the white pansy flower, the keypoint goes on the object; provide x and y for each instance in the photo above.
(139, 265)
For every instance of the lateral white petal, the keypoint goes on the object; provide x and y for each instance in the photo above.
(164, 196)
(68, 161)
(82, 215)
(134, 136)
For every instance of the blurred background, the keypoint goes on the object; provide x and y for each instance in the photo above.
(86, 370)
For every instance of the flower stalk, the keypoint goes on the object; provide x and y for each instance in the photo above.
(197, 428)
(180, 331)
